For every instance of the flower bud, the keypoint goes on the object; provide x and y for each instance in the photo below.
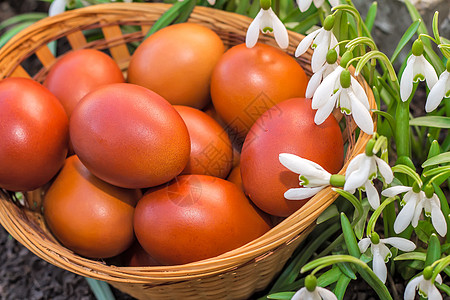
(417, 48)
(328, 23)
(429, 190)
(346, 58)
(416, 187)
(375, 238)
(265, 4)
(310, 283)
(345, 79)
(427, 273)
(331, 56)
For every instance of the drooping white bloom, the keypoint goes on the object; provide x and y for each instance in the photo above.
(267, 21)
(312, 177)
(317, 294)
(318, 77)
(381, 253)
(352, 100)
(303, 5)
(417, 68)
(321, 41)
(413, 204)
(57, 7)
(439, 91)
(360, 173)
(425, 287)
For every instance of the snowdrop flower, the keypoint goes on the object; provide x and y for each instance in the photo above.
(426, 288)
(362, 170)
(340, 89)
(328, 68)
(312, 177)
(267, 21)
(313, 292)
(381, 253)
(439, 91)
(417, 68)
(321, 40)
(414, 201)
(303, 5)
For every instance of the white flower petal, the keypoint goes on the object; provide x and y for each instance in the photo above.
(299, 295)
(279, 31)
(303, 5)
(385, 169)
(303, 166)
(399, 243)
(334, 2)
(314, 82)
(395, 190)
(212, 2)
(325, 110)
(406, 82)
(318, 3)
(361, 115)
(326, 88)
(438, 279)
(378, 265)
(405, 216)
(433, 293)
(253, 31)
(427, 71)
(437, 93)
(344, 101)
(359, 92)
(372, 195)
(437, 217)
(57, 7)
(326, 294)
(364, 244)
(417, 212)
(319, 56)
(301, 193)
(306, 42)
(355, 162)
(410, 290)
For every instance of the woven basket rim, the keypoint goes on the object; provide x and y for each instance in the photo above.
(288, 230)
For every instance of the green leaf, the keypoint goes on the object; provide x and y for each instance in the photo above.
(353, 200)
(409, 33)
(170, 15)
(281, 296)
(329, 213)
(433, 250)
(306, 24)
(101, 289)
(341, 286)
(435, 26)
(329, 277)
(431, 121)
(361, 223)
(443, 287)
(411, 256)
(242, 7)
(27, 17)
(371, 15)
(349, 237)
(347, 270)
(424, 230)
(13, 31)
(442, 158)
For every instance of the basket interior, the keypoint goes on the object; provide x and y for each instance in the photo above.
(117, 29)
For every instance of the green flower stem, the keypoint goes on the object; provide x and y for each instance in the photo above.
(389, 216)
(402, 135)
(439, 266)
(376, 214)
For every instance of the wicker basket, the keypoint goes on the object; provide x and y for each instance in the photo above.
(234, 275)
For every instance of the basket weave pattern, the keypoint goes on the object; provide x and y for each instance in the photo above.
(234, 275)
